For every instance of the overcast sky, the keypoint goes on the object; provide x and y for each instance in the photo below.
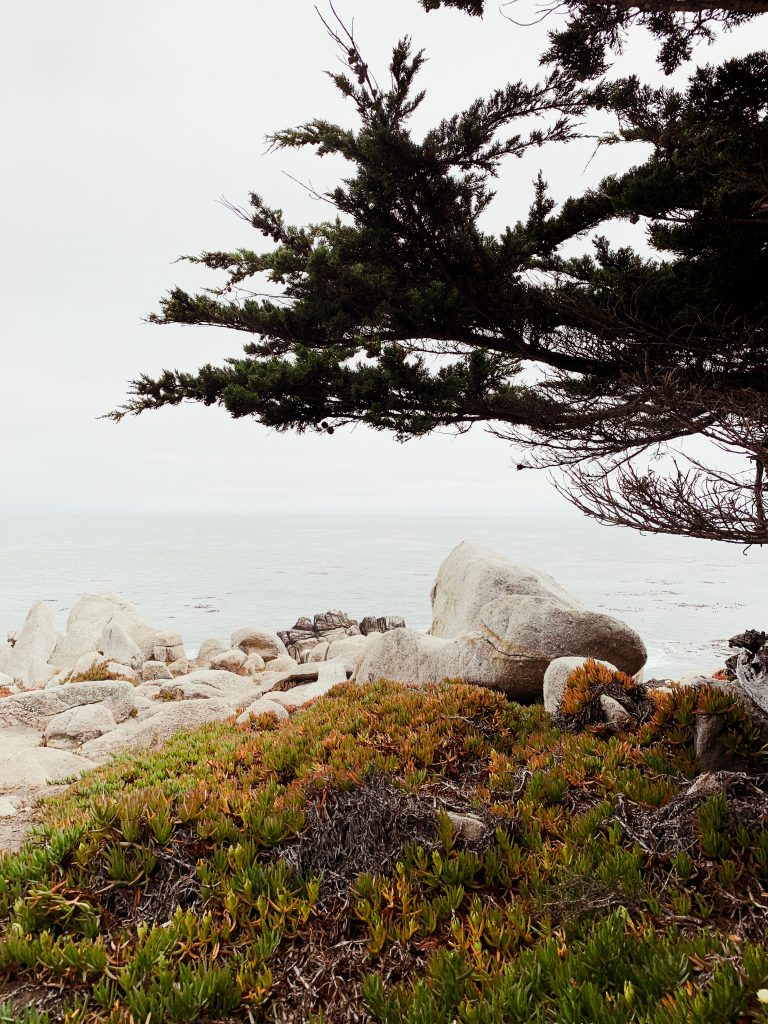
(123, 125)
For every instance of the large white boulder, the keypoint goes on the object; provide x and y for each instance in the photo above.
(116, 645)
(152, 733)
(34, 710)
(405, 656)
(36, 674)
(37, 638)
(71, 728)
(526, 616)
(87, 622)
(259, 641)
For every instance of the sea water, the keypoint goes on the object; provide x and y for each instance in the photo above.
(207, 575)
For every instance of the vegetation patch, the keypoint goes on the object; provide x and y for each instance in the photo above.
(309, 871)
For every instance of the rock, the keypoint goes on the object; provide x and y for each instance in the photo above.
(332, 672)
(145, 708)
(87, 663)
(116, 645)
(229, 661)
(350, 650)
(24, 763)
(122, 671)
(382, 624)
(406, 656)
(319, 653)
(179, 668)
(8, 808)
(528, 618)
(208, 650)
(36, 640)
(36, 674)
(33, 710)
(254, 664)
(87, 622)
(7, 682)
(70, 729)
(468, 827)
(556, 677)
(152, 670)
(285, 663)
(615, 715)
(263, 706)
(170, 720)
(210, 684)
(58, 680)
(148, 691)
(300, 695)
(168, 647)
(698, 679)
(713, 754)
(259, 641)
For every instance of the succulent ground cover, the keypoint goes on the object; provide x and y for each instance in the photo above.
(316, 871)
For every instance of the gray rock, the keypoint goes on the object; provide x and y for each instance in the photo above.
(285, 663)
(254, 664)
(555, 678)
(36, 674)
(210, 684)
(122, 671)
(297, 696)
(33, 710)
(525, 615)
(180, 667)
(116, 645)
(229, 661)
(208, 650)
(24, 765)
(615, 715)
(71, 728)
(259, 641)
(87, 662)
(148, 691)
(332, 672)
(152, 670)
(87, 622)
(263, 706)
(319, 652)
(168, 647)
(153, 733)
(406, 656)
(468, 826)
(36, 640)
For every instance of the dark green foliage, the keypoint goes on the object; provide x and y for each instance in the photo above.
(403, 313)
(594, 32)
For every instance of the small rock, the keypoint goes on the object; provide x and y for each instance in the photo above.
(259, 641)
(555, 678)
(208, 650)
(116, 645)
(319, 653)
(263, 706)
(8, 808)
(285, 663)
(122, 671)
(168, 647)
(72, 728)
(468, 826)
(229, 661)
(152, 670)
(253, 664)
(616, 716)
(87, 662)
(180, 667)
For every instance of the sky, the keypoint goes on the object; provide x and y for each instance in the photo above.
(124, 126)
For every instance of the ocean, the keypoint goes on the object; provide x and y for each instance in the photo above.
(207, 575)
